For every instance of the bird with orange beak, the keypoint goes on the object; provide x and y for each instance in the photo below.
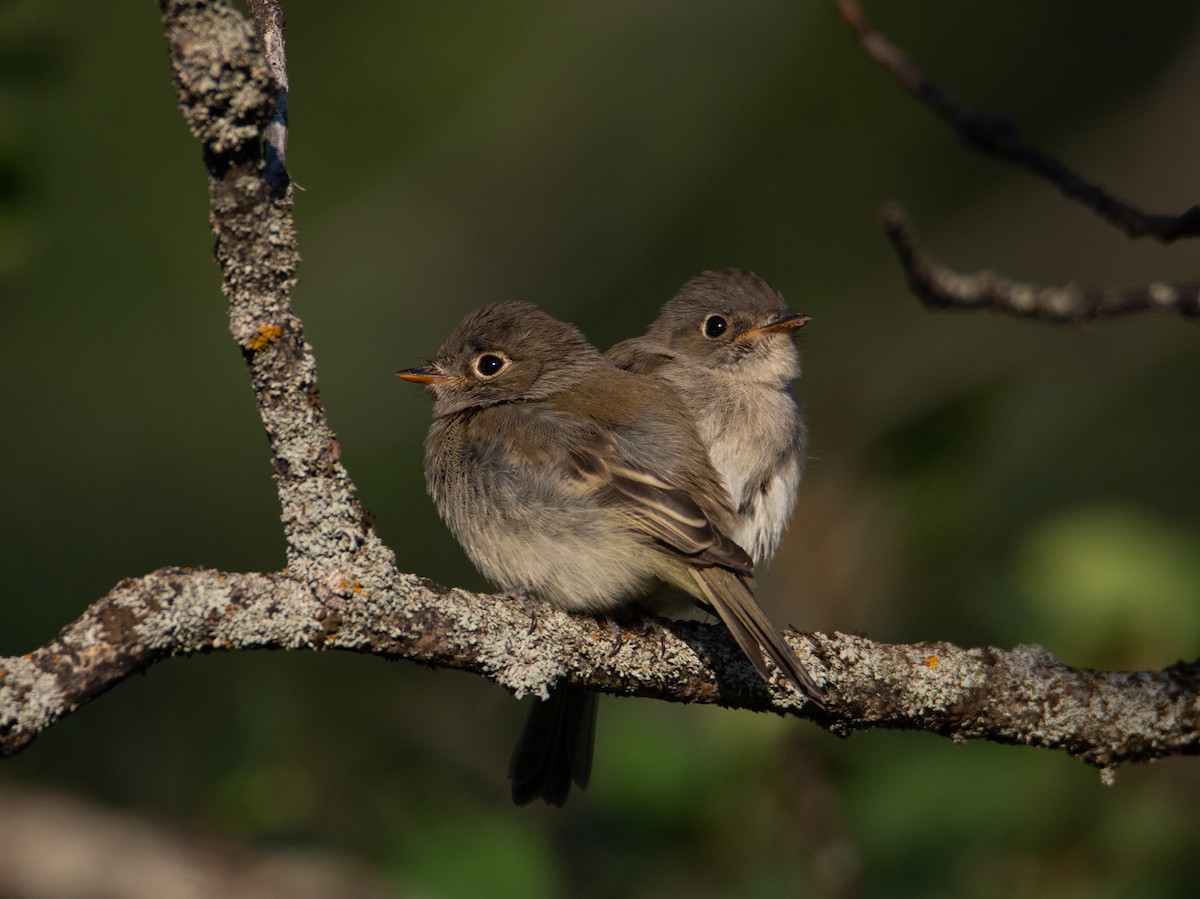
(724, 342)
(572, 482)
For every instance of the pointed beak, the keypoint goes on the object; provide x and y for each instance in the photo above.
(783, 324)
(426, 374)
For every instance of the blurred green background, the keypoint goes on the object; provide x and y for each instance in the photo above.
(972, 477)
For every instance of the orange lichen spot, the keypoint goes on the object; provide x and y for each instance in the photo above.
(230, 609)
(3, 673)
(344, 584)
(932, 662)
(265, 335)
(28, 657)
(358, 587)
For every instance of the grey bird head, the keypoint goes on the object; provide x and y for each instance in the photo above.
(503, 353)
(733, 319)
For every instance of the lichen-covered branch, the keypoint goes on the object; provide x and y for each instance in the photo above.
(997, 135)
(942, 288)
(227, 96)
(341, 589)
(182, 611)
(1022, 696)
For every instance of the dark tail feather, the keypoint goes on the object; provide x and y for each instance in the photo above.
(735, 604)
(554, 747)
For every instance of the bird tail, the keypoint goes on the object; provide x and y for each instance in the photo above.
(734, 602)
(554, 747)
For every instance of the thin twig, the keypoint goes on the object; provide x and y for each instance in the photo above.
(941, 288)
(996, 134)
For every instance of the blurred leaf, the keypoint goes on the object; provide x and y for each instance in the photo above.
(1112, 586)
(477, 859)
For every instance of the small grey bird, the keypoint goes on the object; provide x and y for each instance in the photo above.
(573, 482)
(724, 342)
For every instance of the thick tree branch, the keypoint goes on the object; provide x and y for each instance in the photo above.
(941, 288)
(342, 590)
(227, 96)
(1023, 696)
(997, 135)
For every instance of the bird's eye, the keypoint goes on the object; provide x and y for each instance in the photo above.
(489, 365)
(715, 326)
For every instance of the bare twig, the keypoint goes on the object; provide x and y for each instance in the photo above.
(940, 288)
(342, 590)
(996, 134)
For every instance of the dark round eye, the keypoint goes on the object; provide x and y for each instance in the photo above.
(489, 364)
(715, 325)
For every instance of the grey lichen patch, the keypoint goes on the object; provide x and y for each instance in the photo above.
(30, 698)
(224, 84)
(523, 662)
(284, 617)
(199, 610)
(524, 676)
(944, 678)
(486, 634)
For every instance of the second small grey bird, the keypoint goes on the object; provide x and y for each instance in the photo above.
(724, 342)
(582, 485)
